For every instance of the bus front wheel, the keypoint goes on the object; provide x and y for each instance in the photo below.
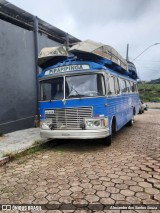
(107, 141)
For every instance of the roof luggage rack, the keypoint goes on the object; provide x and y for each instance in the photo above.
(52, 55)
(88, 50)
(91, 49)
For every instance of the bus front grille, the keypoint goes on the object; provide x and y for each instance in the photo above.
(69, 118)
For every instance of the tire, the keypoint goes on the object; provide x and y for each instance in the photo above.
(107, 141)
(130, 123)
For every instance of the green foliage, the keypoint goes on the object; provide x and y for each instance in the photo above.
(149, 92)
(155, 81)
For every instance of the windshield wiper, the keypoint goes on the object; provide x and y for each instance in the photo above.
(79, 95)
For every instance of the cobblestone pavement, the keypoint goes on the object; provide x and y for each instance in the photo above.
(85, 172)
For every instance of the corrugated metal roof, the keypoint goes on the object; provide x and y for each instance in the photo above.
(16, 15)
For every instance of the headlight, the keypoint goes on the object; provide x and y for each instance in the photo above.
(104, 122)
(45, 124)
(95, 123)
(89, 123)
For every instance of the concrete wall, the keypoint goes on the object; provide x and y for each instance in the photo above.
(18, 76)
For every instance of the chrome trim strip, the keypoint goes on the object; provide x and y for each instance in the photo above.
(76, 98)
(75, 134)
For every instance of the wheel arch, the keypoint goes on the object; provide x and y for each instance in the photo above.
(134, 111)
(113, 124)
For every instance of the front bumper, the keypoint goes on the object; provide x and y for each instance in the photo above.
(75, 134)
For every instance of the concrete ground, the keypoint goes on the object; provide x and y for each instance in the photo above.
(18, 141)
(85, 172)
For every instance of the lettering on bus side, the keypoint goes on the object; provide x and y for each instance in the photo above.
(67, 69)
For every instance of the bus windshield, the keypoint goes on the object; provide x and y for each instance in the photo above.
(76, 86)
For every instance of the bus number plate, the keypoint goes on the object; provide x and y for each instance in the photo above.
(49, 112)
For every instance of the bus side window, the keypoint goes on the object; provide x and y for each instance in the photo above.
(136, 88)
(107, 84)
(126, 89)
(111, 86)
(118, 91)
(128, 86)
(123, 86)
(133, 89)
(101, 85)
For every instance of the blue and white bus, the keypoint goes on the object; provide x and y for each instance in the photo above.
(82, 99)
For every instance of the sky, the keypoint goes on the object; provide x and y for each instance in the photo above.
(112, 22)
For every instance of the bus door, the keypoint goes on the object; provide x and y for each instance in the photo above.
(113, 100)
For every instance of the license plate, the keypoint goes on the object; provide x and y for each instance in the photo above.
(49, 112)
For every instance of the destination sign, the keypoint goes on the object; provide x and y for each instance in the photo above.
(67, 69)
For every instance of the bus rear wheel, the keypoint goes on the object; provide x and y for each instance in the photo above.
(130, 123)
